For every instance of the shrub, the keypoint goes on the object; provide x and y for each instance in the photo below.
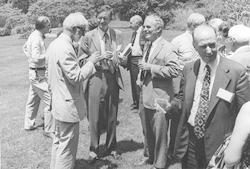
(20, 29)
(5, 31)
(21, 4)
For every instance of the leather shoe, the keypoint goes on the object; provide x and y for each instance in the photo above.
(92, 160)
(31, 128)
(143, 162)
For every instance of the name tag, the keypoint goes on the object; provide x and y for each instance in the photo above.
(225, 95)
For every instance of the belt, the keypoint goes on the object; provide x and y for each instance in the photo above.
(38, 68)
(100, 69)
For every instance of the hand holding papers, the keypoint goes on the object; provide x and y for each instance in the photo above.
(123, 56)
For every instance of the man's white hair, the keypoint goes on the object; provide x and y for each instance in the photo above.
(158, 21)
(75, 20)
(195, 19)
(239, 33)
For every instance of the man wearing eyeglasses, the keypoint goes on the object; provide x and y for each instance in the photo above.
(65, 77)
(102, 88)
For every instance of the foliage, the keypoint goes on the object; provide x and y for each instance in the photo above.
(57, 10)
(21, 4)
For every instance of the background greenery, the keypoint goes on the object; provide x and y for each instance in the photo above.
(18, 16)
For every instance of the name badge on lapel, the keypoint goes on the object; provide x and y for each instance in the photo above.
(225, 95)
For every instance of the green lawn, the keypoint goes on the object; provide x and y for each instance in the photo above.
(31, 150)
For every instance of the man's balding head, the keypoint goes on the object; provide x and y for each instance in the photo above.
(205, 42)
(135, 22)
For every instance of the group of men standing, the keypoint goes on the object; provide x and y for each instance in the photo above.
(205, 90)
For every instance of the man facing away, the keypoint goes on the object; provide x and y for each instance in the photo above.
(35, 50)
(102, 88)
(213, 89)
(157, 69)
(65, 78)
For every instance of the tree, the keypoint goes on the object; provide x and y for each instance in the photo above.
(21, 4)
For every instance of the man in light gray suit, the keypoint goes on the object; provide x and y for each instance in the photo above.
(158, 68)
(65, 79)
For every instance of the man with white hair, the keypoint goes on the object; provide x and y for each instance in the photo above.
(239, 36)
(35, 50)
(158, 67)
(65, 78)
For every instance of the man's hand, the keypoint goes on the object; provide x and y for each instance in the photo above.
(95, 57)
(108, 55)
(139, 82)
(144, 66)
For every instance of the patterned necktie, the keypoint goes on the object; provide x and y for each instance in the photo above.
(108, 47)
(143, 73)
(201, 115)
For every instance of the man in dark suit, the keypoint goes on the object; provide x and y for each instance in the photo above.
(157, 69)
(213, 89)
(103, 87)
(137, 42)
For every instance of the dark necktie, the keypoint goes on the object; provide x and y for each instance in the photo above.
(133, 38)
(143, 73)
(201, 115)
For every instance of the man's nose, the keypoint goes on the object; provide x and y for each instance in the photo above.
(208, 49)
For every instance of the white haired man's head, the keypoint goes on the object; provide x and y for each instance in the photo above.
(75, 25)
(239, 35)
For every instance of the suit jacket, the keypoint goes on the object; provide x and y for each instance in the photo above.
(230, 76)
(158, 82)
(90, 43)
(65, 79)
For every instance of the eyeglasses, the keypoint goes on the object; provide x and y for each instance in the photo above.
(82, 29)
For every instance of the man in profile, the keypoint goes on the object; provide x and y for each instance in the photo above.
(35, 50)
(65, 77)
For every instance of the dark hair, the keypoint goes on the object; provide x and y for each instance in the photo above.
(224, 27)
(42, 22)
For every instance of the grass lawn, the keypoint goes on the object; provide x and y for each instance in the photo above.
(31, 150)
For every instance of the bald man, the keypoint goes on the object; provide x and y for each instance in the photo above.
(213, 89)
(186, 53)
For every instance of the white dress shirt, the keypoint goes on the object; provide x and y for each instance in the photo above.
(198, 86)
(136, 48)
(102, 39)
(35, 48)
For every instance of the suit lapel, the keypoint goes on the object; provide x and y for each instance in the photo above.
(192, 74)
(156, 50)
(95, 39)
(221, 80)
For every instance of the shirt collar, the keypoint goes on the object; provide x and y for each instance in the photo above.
(101, 32)
(139, 30)
(156, 41)
(39, 34)
(213, 65)
(65, 36)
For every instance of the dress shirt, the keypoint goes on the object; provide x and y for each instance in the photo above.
(154, 44)
(185, 49)
(102, 39)
(35, 48)
(136, 48)
(198, 86)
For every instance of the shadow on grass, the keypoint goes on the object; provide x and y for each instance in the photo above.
(125, 146)
(82, 163)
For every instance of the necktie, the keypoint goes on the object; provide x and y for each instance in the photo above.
(143, 73)
(201, 115)
(148, 52)
(108, 47)
(133, 38)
